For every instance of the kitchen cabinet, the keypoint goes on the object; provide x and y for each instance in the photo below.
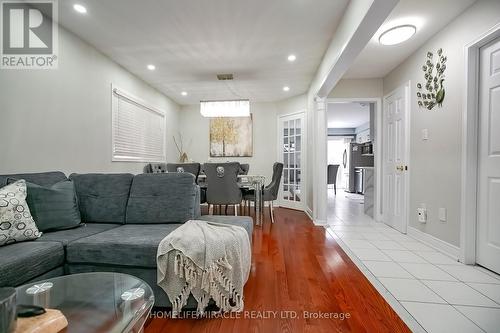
(363, 136)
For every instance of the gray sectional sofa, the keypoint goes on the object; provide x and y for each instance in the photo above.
(125, 218)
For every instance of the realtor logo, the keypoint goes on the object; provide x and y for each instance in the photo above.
(29, 35)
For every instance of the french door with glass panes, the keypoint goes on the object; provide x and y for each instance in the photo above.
(291, 153)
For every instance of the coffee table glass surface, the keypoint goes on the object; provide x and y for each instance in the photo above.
(93, 302)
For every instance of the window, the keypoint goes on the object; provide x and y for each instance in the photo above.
(138, 130)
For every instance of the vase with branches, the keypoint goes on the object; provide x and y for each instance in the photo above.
(183, 157)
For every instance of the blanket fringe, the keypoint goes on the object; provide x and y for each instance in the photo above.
(212, 281)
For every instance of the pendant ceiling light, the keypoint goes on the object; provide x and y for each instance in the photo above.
(231, 108)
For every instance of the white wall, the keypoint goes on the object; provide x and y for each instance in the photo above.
(292, 104)
(195, 132)
(61, 119)
(435, 170)
(355, 88)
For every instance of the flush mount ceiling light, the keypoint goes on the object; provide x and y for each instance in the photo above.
(397, 34)
(235, 108)
(151, 67)
(79, 8)
(184, 93)
(286, 88)
(292, 57)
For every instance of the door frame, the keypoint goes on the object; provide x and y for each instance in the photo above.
(303, 153)
(377, 149)
(470, 130)
(407, 87)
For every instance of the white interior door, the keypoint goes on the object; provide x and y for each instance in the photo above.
(488, 199)
(395, 166)
(291, 153)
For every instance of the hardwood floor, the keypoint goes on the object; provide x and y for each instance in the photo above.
(298, 267)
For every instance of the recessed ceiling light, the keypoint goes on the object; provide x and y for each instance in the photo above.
(184, 93)
(79, 8)
(397, 35)
(292, 57)
(286, 88)
(151, 67)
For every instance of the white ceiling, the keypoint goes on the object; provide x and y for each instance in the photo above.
(347, 115)
(429, 16)
(190, 41)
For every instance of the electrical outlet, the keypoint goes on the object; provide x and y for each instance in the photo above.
(422, 214)
(442, 214)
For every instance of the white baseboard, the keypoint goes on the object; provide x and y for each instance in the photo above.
(309, 213)
(440, 245)
(321, 223)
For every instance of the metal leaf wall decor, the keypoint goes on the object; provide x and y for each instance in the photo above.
(431, 93)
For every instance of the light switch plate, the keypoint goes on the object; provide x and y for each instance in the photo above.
(425, 134)
(442, 214)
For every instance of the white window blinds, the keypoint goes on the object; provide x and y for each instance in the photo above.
(138, 132)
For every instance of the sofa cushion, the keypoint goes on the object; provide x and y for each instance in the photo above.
(58, 271)
(39, 178)
(16, 222)
(241, 221)
(128, 245)
(54, 207)
(102, 197)
(22, 262)
(162, 198)
(67, 236)
(134, 245)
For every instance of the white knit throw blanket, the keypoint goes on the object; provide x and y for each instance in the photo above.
(208, 260)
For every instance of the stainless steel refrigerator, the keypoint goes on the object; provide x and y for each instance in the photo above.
(353, 158)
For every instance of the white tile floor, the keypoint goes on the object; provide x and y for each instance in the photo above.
(429, 290)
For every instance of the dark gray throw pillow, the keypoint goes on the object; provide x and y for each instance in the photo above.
(53, 207)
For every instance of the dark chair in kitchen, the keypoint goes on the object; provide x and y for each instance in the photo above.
(332, 176)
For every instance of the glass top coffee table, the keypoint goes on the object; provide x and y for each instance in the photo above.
(93, 302)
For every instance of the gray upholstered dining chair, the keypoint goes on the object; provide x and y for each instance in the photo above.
(244, 168)
(155, 168)
(332, 176)
(192, 168)
(270, 192)
(222, 185)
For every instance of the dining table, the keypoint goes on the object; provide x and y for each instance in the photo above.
(254, 182)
